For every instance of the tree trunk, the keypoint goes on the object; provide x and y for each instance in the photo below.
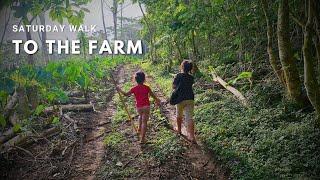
(195, 50)
(291, 74)
(114, 13)
(103, 22)
(152, 54)
(273, 59)
(179, 51)
(5, 25)
(44, 38)
(121, 21)
(310, 72)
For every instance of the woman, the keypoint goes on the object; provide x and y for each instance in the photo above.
(184, 81)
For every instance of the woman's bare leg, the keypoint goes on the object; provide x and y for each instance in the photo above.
(179, 123)
(191, 130)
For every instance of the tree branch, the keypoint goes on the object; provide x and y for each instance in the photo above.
(301, 23)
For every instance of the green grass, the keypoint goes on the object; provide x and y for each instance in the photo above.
(259, 143)
(113, 139)
(165, 145)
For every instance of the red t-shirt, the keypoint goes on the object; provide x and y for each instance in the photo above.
(141, 94)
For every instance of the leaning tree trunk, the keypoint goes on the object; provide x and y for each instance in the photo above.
(273, 59)
(310, 72)
(291, 73)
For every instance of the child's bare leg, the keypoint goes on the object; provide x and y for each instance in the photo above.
(140, 123)
(143, 128)
(145, 119)
(140, 112)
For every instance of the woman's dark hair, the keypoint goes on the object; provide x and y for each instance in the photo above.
(140, 77)
(186, 66)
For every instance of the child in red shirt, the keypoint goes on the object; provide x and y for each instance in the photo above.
(141, 93)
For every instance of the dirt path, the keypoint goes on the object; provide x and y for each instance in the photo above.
(90, 156)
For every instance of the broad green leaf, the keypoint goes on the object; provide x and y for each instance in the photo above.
(55, 120)
(39, 110)
(16, 128)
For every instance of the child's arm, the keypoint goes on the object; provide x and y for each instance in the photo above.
(155, 98)
(122, 92)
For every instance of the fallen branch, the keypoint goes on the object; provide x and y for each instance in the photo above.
(75, 100)
(25, 138)
(18, 140)
(24, 150)
(70, 107)
(75, 123)
(7, 135)
(233, 90)
(66, 148)
(75, 94)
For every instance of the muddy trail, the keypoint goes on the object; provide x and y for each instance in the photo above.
(103, 145)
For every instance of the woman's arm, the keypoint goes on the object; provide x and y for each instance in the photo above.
(122, 92)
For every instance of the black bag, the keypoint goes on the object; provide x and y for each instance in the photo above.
(174, 97)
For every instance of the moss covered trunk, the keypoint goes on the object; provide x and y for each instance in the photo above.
(273, 59)
(310, 71)
(291, 74)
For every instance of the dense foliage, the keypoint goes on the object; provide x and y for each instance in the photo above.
(53, 82)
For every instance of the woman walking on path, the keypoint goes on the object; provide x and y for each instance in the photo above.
(182, 84)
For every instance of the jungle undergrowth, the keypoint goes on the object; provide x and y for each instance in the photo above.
(267, 140)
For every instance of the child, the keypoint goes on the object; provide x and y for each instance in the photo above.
(141, 93)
